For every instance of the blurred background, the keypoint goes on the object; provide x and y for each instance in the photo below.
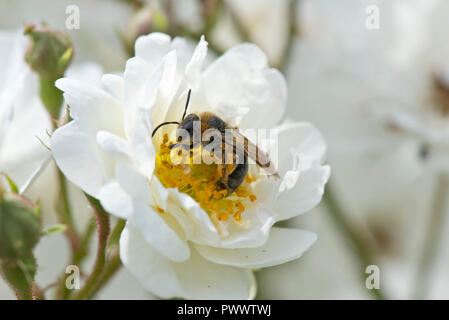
(372, 75)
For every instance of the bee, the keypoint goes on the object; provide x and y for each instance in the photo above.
(232, 141)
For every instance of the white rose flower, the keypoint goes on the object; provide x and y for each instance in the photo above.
(178, 242)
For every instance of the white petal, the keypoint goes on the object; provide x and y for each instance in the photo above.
(79, 158)
(114, 145)
(205, 231)
(168, 86)
(22, 155)
(289, 180)
(153, 47)
(155, 230)
(151, 268)
(136, 75)
(193, 69)
(188, 225)
(114, 85)
(12, 63)
(160, 193)
(88, 73)
(184, 50)
(242, 79)
(260, 221)
(115, 200)
(305, 195)
(301, 140)
(282, 246)
(139, 137)
(92, 106)
(134, 183)
(34, 175)
(195, 278)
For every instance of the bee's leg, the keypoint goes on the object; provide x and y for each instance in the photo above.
(231, 181)
(237, 176)
(223, 182)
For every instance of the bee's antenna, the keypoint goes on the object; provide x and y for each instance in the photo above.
(161, 125)
(187, 104)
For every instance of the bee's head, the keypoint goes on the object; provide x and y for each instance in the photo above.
(187, 124)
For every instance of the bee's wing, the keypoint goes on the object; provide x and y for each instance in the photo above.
(242, 145)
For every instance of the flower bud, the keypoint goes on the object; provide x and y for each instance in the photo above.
(49, 52)
(20, 227)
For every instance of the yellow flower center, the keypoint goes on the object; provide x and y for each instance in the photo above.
(200, 181)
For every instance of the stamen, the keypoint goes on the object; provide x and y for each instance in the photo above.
(200, 181)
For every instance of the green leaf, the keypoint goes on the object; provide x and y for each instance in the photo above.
(54, 230)
(20, 274)
(12, 185)
(20, 228)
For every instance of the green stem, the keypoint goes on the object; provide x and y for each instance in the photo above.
(433, 237)
(359, 248)
(78, 257)
(51, 96)
(112, 266)
(52, 99)
(38, 293)
(65, 214)
(293, 32)
(241, 30)
(103, 228)
(114, 238)
(83, 250)
(113, 262)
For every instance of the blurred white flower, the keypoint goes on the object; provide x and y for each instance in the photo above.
(418, 104)
(23, 118)
(26, 124)
(266, 22)
(263, 22)
(345, 78)
(170, 243)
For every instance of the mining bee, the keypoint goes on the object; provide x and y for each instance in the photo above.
(232, 141)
